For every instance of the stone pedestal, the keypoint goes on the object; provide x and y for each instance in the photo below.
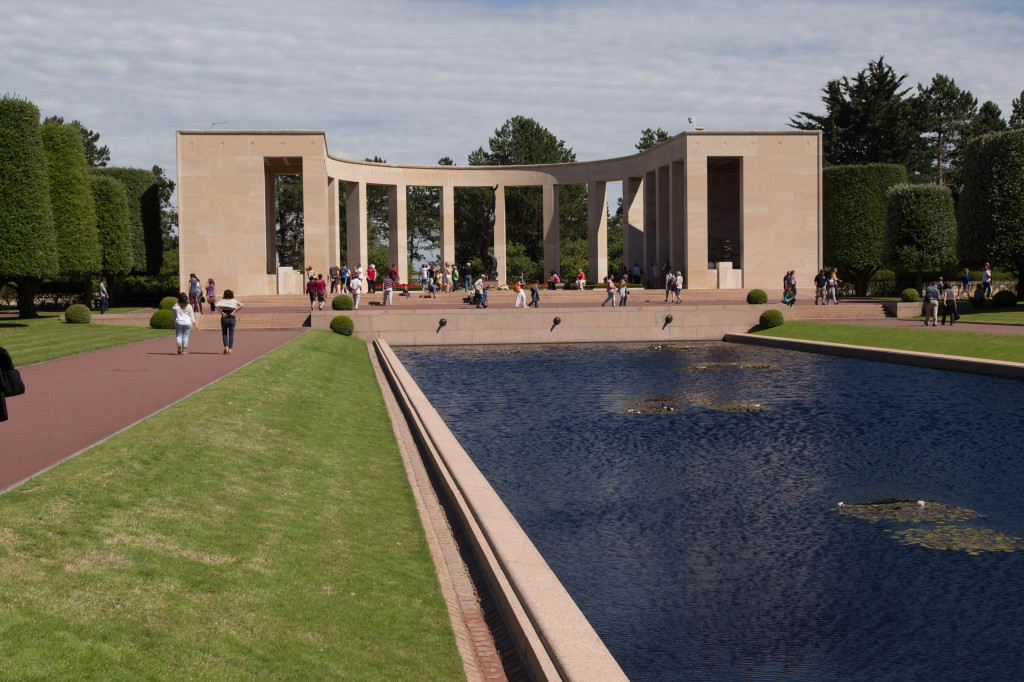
(728, 278)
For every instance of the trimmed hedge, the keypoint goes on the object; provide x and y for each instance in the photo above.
(77, 314)
(342, 324)
(342, 302)
(920, 227)
(162, 319)
(142, 190)
(167, 302)
(770, 318)
(757, 297)
(1004, 299)
(910, 295)
(853, 217)
(74, 211)
(112, 225)
(28, 243)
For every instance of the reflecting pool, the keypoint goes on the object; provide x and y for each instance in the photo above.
(702, 540)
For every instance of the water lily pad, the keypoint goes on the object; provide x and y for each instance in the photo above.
(970, 540)
(908, 511)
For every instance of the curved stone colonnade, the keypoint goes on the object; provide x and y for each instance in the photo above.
(758, 191)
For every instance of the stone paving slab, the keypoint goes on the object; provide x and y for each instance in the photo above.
(73, 403)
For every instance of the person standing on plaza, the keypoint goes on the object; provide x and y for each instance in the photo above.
(677, 286)
(227, 307)
(832, 287)
(638, 273)
(343, 275)
(965, 283)
(334, 273)
(456, 282)
(194, 292)
(520, 294)
(393, 274)
(468, 274)
(986, 280)
(184, 322)
(609, 287)
(311, 290)
(931, 304)
(356, 287)
(321, 291)
(104, 296)
(211, 294)
(424, 275)
(371, 279)
(623, 291)
(819, 287)
(389, 287)
(669, 285)
(356, 274)
(480, 292)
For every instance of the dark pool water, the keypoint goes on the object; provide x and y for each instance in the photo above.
(706, 545)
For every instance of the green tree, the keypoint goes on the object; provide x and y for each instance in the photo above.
(991, 203)
(113, 225)
(144, 215)
(853, 217)
(650, 138)
(289, 218)
(168, 210)
(920, 228)
(28, 252)
(867, 119)
(988, 120)
(95, 155)
(945, 113)
(1016, 121)
(74, 212)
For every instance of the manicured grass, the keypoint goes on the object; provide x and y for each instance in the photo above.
(1013, 315)
(263, 528)
(47, 338)
(947, 341)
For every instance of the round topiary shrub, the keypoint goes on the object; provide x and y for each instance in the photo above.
(910, 295)
(343, 324)
(757, 297)
(166, 303)
(770, 318)
(1004, 299)
(77, 314)
(342, 302)
(162, 319)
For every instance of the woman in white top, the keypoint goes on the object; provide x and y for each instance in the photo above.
(184, 321)
(227, 307)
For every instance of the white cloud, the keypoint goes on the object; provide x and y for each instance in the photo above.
(412, 81)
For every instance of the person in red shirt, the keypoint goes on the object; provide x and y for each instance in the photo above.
(321, 291)
(371, 278)
(389, 287)
(311, 290)
(393, 274)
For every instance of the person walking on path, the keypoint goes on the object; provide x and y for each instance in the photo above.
(669, 285)
(333, 273)
(819, 287)
(481, 292)
(227, 308)
(104, 296)
(986, 280)
(965, 283)
(469, 277)
(184, 321)
(534, 296)
(194, 292)
(311, 290)
(931, 304)
(609, 287)
(949, 305)
(321, 291)
(831, 287)
(356, 287)
(389, 288)
(520, 294)
(677, 286)
(211, 294)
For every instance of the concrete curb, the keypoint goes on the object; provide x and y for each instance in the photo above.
(556, 638)
(995, 368)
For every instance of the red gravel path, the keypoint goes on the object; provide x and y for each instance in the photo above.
(74, 403)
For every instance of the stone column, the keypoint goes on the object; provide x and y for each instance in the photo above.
(270, 210)
(597, 230)
(650, 191)
(696, 198)
(677, 218)
(355, 221)
(500, 250)
(446, 201)
(552, 258)
(663, 230)
(333, 236)
(398, 231)
(316, 244)
(633, 223)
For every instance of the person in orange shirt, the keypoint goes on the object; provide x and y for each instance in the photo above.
(520, 294)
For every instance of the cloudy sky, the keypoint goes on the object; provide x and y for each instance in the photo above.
(412, 81)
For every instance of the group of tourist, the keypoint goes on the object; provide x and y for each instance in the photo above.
(184, 311)
(826, 287)
(940, 296)
(622, 292)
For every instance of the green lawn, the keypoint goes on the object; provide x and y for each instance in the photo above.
(262, 528)
(947, 341)
(47, 338)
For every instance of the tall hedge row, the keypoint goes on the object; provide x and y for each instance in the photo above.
(27, 240)
(115, 236)
(853, 217)
(991, 204)
(143, 215)
(920, 227)
(74, 212)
